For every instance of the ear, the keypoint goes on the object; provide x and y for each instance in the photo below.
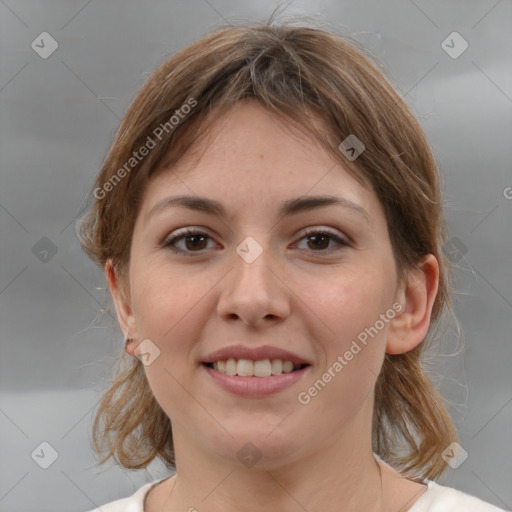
(122, 304)
(409, 328)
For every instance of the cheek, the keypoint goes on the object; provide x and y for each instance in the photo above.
(161, 295)
(163, 303)
(353, 308)
(165, 310)
(354, 352)
(352, 302)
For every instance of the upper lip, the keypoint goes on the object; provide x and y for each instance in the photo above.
(253, 354)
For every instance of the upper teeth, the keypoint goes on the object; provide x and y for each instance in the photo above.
(248, 368)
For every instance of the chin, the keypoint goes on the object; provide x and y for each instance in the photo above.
(259, 446)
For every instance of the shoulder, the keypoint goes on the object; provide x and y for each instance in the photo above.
(439, 498)
(133, 503)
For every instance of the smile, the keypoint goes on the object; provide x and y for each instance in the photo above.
(250, 386)
(261, 368)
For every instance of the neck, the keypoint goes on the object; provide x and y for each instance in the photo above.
(343, 475)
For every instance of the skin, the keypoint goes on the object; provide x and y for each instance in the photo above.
(315, 457)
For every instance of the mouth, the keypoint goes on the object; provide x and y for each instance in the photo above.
(248, 368)
(255, 379)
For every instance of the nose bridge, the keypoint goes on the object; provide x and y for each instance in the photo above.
(251, 262)
(253, 292)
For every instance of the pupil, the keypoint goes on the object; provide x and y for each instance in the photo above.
(319, 235)
(193, 244)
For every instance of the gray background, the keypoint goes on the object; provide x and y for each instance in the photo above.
(58, 116)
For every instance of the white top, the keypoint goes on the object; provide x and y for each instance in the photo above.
(437, 498)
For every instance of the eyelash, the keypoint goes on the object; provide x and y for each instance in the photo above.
(169, 242)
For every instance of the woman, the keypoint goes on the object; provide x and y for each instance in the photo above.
(270, 224)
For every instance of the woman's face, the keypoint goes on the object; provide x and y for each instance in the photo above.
(255, 278)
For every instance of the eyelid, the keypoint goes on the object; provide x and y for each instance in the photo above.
(341, 239)
(183, 233)
(329, 231)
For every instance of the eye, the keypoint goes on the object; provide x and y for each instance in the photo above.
(195, 241)
(320, 239)
(196, 237)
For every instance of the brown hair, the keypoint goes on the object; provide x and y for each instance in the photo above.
(294, 73)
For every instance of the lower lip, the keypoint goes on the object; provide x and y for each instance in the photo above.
(255, 387)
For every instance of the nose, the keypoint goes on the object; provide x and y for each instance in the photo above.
(254, 292)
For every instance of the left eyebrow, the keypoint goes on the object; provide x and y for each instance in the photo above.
(287, 208)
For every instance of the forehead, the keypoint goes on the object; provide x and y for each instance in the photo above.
(252, 159)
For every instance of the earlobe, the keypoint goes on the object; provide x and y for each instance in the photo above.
(122, 305)
(409, 328)
(131, 347)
